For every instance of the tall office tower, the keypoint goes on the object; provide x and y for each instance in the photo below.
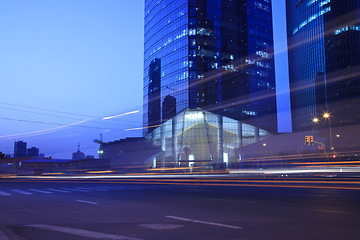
(324, 59)
(168, 108)
(216, 56)
(20, 149)
(153, 93)
(33, 152)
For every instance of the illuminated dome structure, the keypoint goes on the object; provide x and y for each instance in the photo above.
(197, 138)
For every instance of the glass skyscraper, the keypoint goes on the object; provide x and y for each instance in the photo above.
(324, 59)
(211, 56)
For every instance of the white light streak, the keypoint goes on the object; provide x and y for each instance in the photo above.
(45, 131)
(106, 118)
(131, 129)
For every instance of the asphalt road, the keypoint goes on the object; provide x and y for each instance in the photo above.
(110, 209)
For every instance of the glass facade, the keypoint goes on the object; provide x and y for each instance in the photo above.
(307, 71)
(342, 51)
(231, 60)
(166, 39)
(212, 59)
(193, 138)
(215, 54)
(324, 59)
(324, 66)
(261, 65)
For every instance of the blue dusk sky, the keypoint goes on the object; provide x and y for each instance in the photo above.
(67, 64)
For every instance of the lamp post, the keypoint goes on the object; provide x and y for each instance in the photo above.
(327, 117)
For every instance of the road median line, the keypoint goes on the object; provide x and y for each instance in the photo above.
(82, 201)
(204, 222)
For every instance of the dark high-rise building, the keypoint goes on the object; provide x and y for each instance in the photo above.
(168, 107)
(33, 152)
(214, 55)
(20, 149)
(324, 59)
(154, 93)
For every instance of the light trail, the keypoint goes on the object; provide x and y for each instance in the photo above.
(138, 128)
(123, 114)
(326, 163)
(285, 181)
(243, 185)
(308, 184)
(45, 131)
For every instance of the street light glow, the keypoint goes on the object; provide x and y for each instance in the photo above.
(315, 120)
(326, 115)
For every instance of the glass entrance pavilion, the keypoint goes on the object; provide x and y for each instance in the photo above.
(197, 138)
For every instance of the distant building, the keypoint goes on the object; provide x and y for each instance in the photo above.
(130, 153)
(41, 165)
(168, 108)
(20, 149)
(78, 154)
(154, 97)
(33, 152)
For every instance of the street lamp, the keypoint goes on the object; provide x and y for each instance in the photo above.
(327, 116)
(315, 120)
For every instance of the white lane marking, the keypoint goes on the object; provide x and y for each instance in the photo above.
(4, 194)
(57, 190)
(40, 191)
(229, 200)
(161, 226)
(86, 202)
(81, 232)
(22, 192)
(74, 189)
(204, 222)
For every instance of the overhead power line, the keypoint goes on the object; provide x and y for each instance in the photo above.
(52, 115)
(58, 124)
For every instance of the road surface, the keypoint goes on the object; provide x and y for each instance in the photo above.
(114, 209)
